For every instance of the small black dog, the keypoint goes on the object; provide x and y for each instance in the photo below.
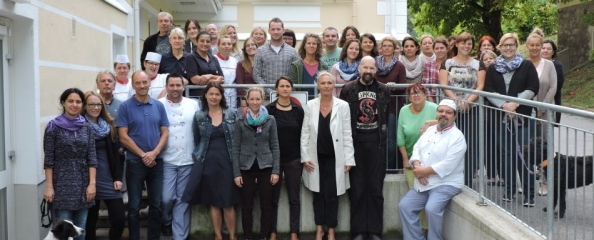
(579, 170)
(63, 230)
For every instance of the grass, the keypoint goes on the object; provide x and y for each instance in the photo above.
(578, 89)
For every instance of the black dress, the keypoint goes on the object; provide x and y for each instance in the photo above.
(216, 185)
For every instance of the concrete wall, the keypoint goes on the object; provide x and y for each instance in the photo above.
(575, 38)
(464, 219)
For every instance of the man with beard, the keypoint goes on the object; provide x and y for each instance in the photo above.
(143, 128)
(177, 158)
(158, 42)
(438, 165)
(368, 100)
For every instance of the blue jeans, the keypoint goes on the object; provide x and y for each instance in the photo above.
(136, 174)
(434, 202)
(175, 212)
(78, 217)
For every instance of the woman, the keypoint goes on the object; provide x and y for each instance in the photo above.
(431, 69)
(123, 84)
(427, 48)
(174, 62)
(327, 153)
(347, 67)
(212, 171)
(192, 28)
(201, 66)
(413, 119)
(513, 76)
(368, 45)
(411, 60)
(464, 71)
(289, 38)
(391, 71)
(485, 43)
(547, 76)
(256, 157)
(231, 32)
(288, 114)
(70, 161)
(348, 33)
(549, 51)
(488, 58)
(259, 36)
(305, 71)
(244, 67)
(110, 168)
(228, 65)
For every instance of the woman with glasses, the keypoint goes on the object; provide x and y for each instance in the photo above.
(413, 119)
(464, 71)
(109, 168)
(512, 75)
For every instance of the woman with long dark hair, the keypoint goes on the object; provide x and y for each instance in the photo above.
(347, 67)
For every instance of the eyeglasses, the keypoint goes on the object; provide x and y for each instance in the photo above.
(152, 63)
(509, 46)
(415, 94)
(95, 105)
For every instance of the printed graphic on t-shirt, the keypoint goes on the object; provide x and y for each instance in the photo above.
(163, 46)
(367, 114)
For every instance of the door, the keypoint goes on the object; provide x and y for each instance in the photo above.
(7, 204)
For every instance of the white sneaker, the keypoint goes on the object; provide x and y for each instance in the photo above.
(125, 197)
(144, 212)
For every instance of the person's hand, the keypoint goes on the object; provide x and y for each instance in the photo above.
(238, 181)
(117, 185)
(121, 151)
(424, 181)
(149, 159)
(274, 179)
(420, 172)
(48, 195)
(91, 192)
(406, 164)
(309, 166)
(347, 169)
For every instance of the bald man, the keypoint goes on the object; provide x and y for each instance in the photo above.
(368, 100)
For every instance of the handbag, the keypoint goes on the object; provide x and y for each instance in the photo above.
(46, 209)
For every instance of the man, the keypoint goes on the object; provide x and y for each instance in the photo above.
(105, 84)
(273, 59)
(331, 50)
(123, 86)
(438, 165)
(213, 31)
(177, 158)
(143, 128)
(368, 100)
(158, 42)
(151, 65)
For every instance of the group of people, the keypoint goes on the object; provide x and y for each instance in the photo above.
(225, 145)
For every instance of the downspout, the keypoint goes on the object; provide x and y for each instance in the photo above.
(136, 38)
(393, 17)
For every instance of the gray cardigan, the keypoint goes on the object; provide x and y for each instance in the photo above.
(249, 146)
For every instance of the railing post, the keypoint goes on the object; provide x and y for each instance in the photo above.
(481, 152)
(550, 173)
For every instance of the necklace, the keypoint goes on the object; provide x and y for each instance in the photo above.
(285, 106)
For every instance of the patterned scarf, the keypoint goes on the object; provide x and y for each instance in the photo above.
(101, 129)
(383, 70)
(256, 121)
(347, 72)
(414, 68)
(503, 66)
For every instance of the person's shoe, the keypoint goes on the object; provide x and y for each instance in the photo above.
(520, 190)
(359, 237)
(529, 203)
(374, 237)
(166, 230)
(507, 198)
(144, 212)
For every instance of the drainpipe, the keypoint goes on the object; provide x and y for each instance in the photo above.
(136, 38)
(393, 17)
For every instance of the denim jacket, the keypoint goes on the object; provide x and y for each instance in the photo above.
(203, 127)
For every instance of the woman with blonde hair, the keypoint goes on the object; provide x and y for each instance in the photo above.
(110, 168)
(427, 53)
(305, 71)
(327, 153)
(232, 33)
(259, 36)
(174, 62)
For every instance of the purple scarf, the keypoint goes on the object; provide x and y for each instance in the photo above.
(68, 123)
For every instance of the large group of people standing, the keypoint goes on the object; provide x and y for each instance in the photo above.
(223, 146)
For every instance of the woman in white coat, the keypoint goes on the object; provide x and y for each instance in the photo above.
(327, 153)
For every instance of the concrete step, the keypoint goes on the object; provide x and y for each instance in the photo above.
(103, 221)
